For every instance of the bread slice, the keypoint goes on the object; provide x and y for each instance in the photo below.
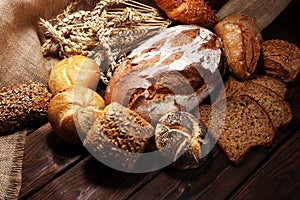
(232, 85)
(246, 125)
(271, 83)
(277, 108)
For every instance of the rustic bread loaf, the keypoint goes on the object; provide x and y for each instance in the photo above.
(189, 12)
(182, 137)
(277, 108)
(174, 70)
(73, 111)
(75, 70)
(23, 105)
(281, 59)
(246, 125)
(241, 48)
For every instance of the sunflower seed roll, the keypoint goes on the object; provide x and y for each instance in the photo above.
(23, 105)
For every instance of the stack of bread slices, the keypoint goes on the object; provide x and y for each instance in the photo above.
(254, 110)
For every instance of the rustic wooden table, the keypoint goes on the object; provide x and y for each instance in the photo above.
(53, 169)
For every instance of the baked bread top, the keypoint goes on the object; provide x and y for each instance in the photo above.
(174, 70)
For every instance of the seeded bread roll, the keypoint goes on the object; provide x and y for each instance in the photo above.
(73, 111)
(23, 105)
(76, 70)
(246, 125)
(184, 138)
(281, 59)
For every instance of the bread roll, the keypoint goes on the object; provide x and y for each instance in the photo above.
(182, 137)
(23, 105)
(174, 70)
(76, 70)
(72, 112)
(241, 47)
(195, 12)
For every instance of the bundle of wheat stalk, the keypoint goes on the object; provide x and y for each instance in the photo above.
(105, 33)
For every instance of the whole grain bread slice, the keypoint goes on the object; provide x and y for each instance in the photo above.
(277, 108)
(271, 83)
(232, 85)
(246, 125)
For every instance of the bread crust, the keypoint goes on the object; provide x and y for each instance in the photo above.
(172, 71)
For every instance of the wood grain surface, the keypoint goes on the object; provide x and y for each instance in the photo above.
(53, 169)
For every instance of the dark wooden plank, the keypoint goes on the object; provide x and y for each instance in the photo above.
(278, 177)
(46, 156)
(92, 180)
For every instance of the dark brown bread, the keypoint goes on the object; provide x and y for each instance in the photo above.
(271, 83)
(23, 105)
(246, 125)
(281, 59)
(232, 85)
(276, 107)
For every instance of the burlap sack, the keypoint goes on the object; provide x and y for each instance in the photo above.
(22, 61)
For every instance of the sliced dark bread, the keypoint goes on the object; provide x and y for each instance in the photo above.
(232, 85)
(246, 125)
(271, 83)
(277, 108)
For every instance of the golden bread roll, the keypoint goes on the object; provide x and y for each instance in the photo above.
(76, 70)
(196, 12)
(73, 111)
(242, 48)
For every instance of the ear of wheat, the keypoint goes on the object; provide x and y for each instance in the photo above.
(105, 33)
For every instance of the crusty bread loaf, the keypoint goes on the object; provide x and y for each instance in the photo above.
(174, 70)
(73, 111)
(277, 108)
(246, 125)
(189, 12)
(23, 105)
(75, 70)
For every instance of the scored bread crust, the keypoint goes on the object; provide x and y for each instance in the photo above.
(172, 71)
(247, 125)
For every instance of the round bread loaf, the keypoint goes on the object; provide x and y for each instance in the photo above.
(76, 70)
(174, 70)
(73, 111)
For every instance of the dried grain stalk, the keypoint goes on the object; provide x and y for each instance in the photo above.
(105, 33)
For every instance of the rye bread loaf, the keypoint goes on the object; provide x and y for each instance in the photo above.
(277, 108)
(173, 71)
(246, 125)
